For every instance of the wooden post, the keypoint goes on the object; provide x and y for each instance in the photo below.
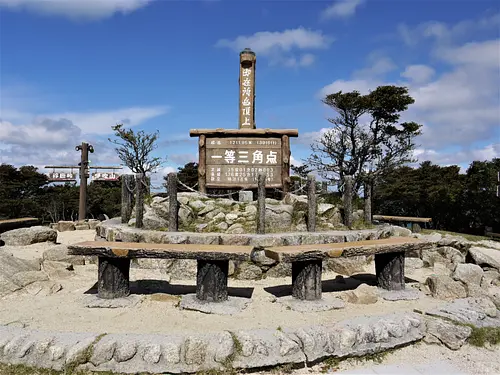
(211, 280)
(128, 184)
(368, 203)
(113, 277)
(348, 185)
(324, 187)
(285, 168)
(84, 148)
(390, 270)
(202, 169)
(306, 280)
(311, 203)
(173, 208)
(261, 203)
(139, 200)
(247, 89)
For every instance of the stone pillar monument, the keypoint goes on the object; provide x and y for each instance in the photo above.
(247, 89)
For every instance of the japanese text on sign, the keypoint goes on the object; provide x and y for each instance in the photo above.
(246, 97)
(238, 160)
(61, 176)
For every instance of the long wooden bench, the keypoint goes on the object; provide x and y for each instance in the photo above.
(213, 263)
(114, 264)
(10, 224)
(412, 221)
(307, 262)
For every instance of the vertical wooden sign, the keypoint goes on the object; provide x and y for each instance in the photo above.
(247, 89)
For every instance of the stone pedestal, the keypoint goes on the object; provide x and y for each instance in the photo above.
(306, 280)
(113, 278)
(245, 196)
(389, 268)
(211, 280)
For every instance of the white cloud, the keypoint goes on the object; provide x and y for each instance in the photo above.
(279, 46)
(378, 66)
(444, 33)
(341, 9)
(418, 73)
(76, 9)
(101, 122)
(459, 107)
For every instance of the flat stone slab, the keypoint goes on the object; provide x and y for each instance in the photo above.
(479, 312)
(234, 305)
(324, 304)
(400, 295)
(93, 302)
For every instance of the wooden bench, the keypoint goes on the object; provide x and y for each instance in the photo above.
(413, 222)
(307, 262)
(114, 264)
(10, 224)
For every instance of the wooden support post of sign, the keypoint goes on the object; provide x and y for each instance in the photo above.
(368, 203)
(173, 208)
(84, 149)
(348, 185)
(202, 169)
(311, 203)
(324, 187)
(128, 184)
(285, 170)
(139, 200)
(261, 203)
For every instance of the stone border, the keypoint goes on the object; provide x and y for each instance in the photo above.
(245, 349)
(189, 353)
(114, 230)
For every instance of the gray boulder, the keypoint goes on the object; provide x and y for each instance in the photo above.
(29, 236)
(65, 226)
(453, 336)
(16, 274)
(444, 287)
(59, 253)
(468, 273)
(477, 256)
(346, 266)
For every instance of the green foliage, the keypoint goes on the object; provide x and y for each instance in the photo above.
(351, 147)
(26, 192)
(188, 175)
(464, 203)
(485, 335)
(301, 171)
(134, 149)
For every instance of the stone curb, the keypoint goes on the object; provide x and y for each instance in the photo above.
(189, 353)
(114, 230)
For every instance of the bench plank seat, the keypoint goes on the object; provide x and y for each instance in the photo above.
(162, 251)
(344, 249)
(307, 261)
(402, 218)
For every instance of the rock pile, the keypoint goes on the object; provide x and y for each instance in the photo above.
(197, 213)
(65, 226)
(466, 270)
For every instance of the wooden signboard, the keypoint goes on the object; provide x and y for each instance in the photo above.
(61, 176)
(236, 161)
(105, 176)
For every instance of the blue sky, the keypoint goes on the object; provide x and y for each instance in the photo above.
(72, 69)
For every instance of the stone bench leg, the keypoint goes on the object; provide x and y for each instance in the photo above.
(390, 270)
(113, 277)
(211, 280)
(306, 280)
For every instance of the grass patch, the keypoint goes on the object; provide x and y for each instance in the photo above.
(485, 335)
(468, 237)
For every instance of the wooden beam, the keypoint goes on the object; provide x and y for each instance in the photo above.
(244, 132)
(402, 218)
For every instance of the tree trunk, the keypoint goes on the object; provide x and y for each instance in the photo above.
(390, 270)
(306, 280)
(211, 280)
